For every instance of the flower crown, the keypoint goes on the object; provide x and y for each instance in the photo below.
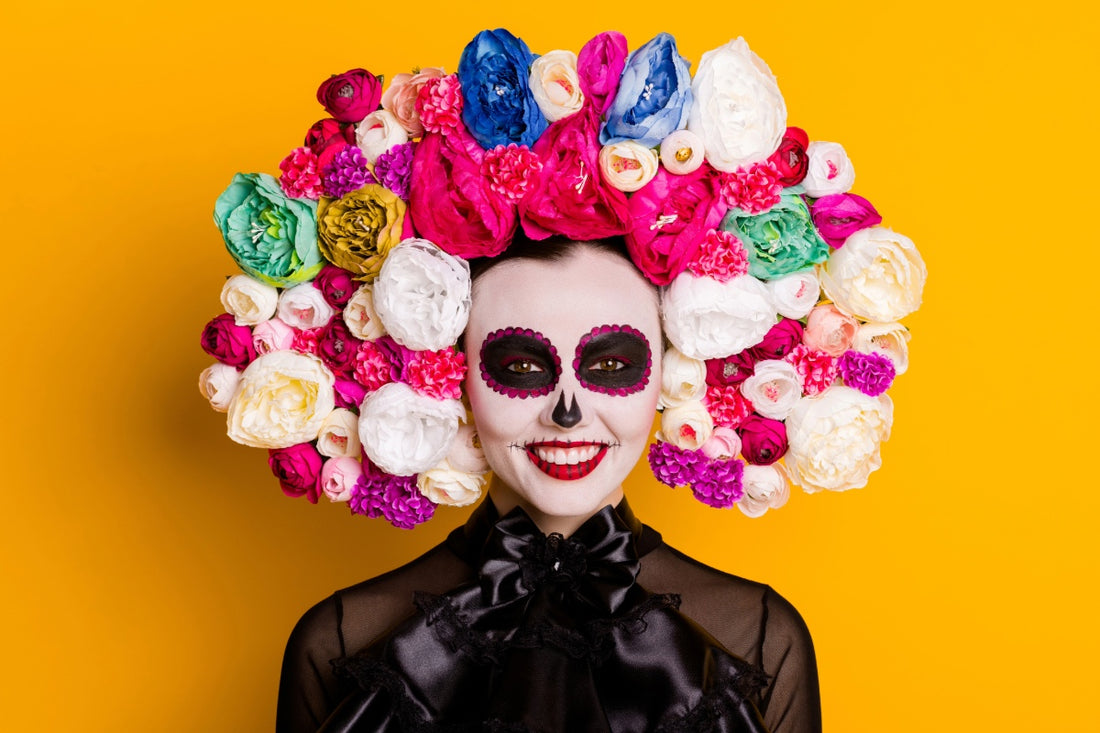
(781, 298)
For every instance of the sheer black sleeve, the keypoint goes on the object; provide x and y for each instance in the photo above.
(308, 689)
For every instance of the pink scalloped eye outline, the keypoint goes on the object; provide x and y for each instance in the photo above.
(615, 391)
(514, 392)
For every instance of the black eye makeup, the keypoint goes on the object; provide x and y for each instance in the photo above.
(613, 360)
(519, 362)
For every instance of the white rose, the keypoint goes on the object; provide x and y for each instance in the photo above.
(707, 319)
(682, 152)
(403, 432)
(446, 485)
(339, 434)
(738, 110)
(272, 335)
(682, 378)
(795, 295)
(765, 487)
(361, 318)
(555, 85)
(283, 399)
(249, 300)
(422, 295)
(687, 425)
(834, 438)
(218, 383)
(878, 275)
(773, 389)
(828, 171)
(339, 476)
(628, 165)
(378, 132)
(466, 453)
(304, 307)
(889, 339)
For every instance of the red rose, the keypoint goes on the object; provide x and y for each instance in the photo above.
(779, 341)
(227, 342)
(298, 469)
(763, 441)
(351, 96)
(790, 159)
(327, 132)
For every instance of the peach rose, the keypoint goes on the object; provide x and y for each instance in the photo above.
(830, 330)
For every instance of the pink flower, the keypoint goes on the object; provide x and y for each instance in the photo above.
(300, 178)
(374, 366)
(830, 330)
(336, 284)
(763, 440)
(439, 104)
(305, 340)
(401, 98)
(727, 406)
(337, 347)
(817, 369)
(754, 190)
(436, 374)
(840, 215)
(272, 335)
(351, 96)
(348, 393)
(790, 159)
(298, 469)
(448, 201)
(338, 477)
(510, 170)
(721, 257)
(227, 342)
(599, 66)
(724, 443)
(569, 196)
(779, 341)
(669, 218)
(731, 370)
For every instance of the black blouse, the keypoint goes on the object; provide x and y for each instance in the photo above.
(501, 628)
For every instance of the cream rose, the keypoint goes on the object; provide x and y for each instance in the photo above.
(555, 85)
(829, 171)
(283, 399)
(707, 319)
(422, 295)
(773, 389)
(764, 487)
(682, 152)
(339, 476)
(830, 330)
(218, 383)
(738, 111)
(249, 300)
(449, 486)
(378, 132)
(400, 98)
(682, 378)
(403, 432)
(627, 165)
(303, 306)
(339, 434)
(361, 318)
(465, 453)
(796, 294)
(687, 425)
(272, 335)
(889, 339)
(834, 438)
(878, 275)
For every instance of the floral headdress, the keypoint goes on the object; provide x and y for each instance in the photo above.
(781, 292)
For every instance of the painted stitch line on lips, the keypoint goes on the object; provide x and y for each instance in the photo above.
(614, 391)
(566, 460)
(516, 392)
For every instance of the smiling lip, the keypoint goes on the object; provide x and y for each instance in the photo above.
(566, 460)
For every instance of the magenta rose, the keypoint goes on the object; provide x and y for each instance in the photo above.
(779, 341)
(351, 96)
(669, 218)
(840, 215)
(600, 64)
(569, 196)
(328, 132)
(298, 469)
(730, 371)
(790, 159)
(336, 284)
(763, 440)
(337, 347)
(227, 342)
(450, 202)
(349, 393)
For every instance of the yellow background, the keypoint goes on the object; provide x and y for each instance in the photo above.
(152, 569)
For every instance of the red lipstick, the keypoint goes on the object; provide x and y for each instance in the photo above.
(565, 460)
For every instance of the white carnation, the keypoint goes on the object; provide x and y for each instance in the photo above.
(403, 432)
(422, 295)
(707, 319)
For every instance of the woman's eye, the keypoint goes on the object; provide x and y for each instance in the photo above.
(522, 366)
(608, 364)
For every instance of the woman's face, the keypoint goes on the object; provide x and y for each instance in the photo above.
(564, 374)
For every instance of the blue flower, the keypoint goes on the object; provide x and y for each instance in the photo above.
(498, 107)
(654, 95)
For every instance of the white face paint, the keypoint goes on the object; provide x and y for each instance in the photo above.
(564, 373)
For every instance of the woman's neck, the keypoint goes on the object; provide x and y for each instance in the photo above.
(505, 499)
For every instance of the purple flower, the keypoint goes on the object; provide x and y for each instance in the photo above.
(872, 374)
(347, 172)
(719, 483)
(675, 466)
(393, 169)
(394, 498)
(840, 215)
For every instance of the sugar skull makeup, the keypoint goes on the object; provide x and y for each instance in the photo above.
(561, 438)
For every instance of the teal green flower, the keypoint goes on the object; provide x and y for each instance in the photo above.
(780, 240)
(271, 237)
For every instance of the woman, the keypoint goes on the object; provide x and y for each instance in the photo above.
(554, 609)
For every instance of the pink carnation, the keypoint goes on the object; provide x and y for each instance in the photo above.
(307, 341)
(510, 170)
(300, 178)
(727, 406)
(721, 257)
(436, 374)
(817, 369)
(754, 190)
(439, 104)
(373, 366)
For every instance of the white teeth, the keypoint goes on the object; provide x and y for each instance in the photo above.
(567, 456)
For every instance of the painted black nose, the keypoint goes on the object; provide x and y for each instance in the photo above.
(567, 418)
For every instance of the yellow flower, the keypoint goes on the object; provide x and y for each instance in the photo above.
(357, 230)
